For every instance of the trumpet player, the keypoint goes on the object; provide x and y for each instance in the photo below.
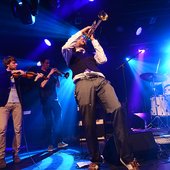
(91, 83)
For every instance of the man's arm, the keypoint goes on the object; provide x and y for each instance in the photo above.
(44, 82)
(70, 44)
(99, 56)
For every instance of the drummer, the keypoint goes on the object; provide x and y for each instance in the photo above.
(166, 90)
(166, 85)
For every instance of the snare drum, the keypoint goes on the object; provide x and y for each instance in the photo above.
(159, 106)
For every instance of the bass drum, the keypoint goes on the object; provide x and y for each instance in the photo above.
(167, 99)
(159, 106)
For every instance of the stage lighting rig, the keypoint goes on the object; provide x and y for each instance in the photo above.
(25, 10)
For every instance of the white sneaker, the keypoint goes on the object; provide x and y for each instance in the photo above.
(50, 148)
(134, 165)
(62, 145)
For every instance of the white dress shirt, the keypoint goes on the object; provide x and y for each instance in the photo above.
(99, 56)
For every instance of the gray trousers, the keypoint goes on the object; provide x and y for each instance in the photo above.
(15, 109)
(86, 92)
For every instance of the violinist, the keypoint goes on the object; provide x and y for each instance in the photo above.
(10, 103)
(50, 106)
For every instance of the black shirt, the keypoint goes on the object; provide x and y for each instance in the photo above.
(48, 92)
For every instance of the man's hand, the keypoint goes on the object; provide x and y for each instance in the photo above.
(86, 30)
(92, 37)
(54, 70)
(20, 72)
(38, 76)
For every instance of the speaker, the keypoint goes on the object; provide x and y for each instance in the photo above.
(137, 122)
(99, 130)
(143, 146)
(110, 153)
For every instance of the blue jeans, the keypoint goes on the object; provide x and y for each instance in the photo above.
(53, 122)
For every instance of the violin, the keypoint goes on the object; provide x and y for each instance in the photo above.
(60, 73)
(28, 75)
(66, 75)
(31, 74)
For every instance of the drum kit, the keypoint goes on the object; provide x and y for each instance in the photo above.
(160, 104)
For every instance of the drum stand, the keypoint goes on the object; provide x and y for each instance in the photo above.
(157, 119)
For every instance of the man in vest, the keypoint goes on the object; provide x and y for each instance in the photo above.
(90, 82)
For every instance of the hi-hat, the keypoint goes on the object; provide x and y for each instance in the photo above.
(153, 77)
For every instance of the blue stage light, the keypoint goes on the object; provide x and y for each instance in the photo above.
(139, 31)
(47, 42)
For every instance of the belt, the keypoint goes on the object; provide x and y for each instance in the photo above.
(88, 78)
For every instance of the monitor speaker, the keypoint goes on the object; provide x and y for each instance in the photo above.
(143, 146)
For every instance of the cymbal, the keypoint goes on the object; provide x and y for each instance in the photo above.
(153, 77)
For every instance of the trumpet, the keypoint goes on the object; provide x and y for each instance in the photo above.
(103, 16)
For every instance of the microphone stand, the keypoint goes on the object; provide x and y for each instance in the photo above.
(122, 67)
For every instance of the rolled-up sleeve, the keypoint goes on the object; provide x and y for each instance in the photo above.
(69, 45)
(99, 56)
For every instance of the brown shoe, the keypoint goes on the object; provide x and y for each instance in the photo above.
(134, 165)
(93, 166)
(16, 159)
(2, 163)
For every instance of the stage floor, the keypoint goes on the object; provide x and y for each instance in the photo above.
(67, 159)
(38, 158)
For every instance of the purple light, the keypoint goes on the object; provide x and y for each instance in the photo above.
(47, 42)
(141, 115)
(142, 51)
(139, 31)
(91, 0)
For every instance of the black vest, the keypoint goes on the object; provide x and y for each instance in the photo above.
(82, 61)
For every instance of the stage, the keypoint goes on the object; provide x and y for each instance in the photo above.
(67, 158)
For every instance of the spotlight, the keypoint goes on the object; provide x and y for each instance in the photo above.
(142, 51)
(20, 3)
(39, 63)
(139, 31)
(127, 58)
(25, 10)
(47, 42)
